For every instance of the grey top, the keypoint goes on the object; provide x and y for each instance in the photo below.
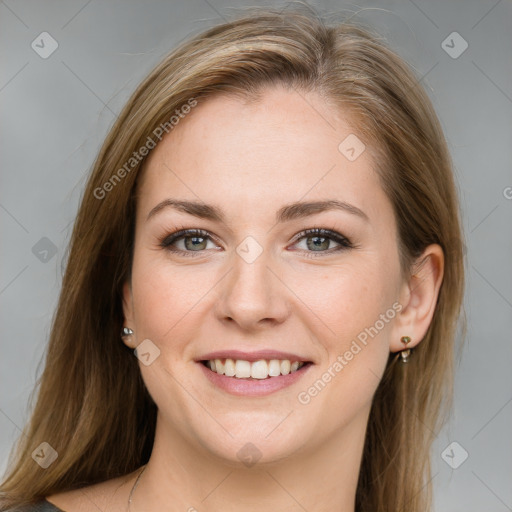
(40, 506)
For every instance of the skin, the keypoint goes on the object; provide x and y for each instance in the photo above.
(250, 159)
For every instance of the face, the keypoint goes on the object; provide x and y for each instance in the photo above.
(251, 277)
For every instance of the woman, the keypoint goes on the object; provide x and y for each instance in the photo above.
(272, 229)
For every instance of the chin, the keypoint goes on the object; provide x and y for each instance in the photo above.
(251, 444)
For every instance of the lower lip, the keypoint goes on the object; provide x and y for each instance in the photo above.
(254, 387)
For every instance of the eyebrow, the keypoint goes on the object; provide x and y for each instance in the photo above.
(287, 213)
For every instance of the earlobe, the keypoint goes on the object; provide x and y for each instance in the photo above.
(419, 298)
(128, 324)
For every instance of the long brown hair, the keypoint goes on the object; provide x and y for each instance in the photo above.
(92, 405)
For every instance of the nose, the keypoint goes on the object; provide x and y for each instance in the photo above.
(251, 296)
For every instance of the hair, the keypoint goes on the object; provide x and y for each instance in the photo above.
(92, 405)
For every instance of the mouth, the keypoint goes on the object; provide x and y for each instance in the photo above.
(261, 369)
(262, 377)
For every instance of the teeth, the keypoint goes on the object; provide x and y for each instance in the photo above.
(217, 366)
(229, 368)
(261, 369)
(285, 367)
(274, 368)
(242, 369)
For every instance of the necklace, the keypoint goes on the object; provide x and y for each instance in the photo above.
(135, 485)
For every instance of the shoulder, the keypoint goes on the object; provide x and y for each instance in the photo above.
(109, 495)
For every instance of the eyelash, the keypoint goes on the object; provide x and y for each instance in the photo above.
(344, 243)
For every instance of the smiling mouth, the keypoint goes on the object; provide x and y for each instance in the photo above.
(256, 370)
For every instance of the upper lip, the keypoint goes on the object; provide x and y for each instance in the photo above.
(252, 356)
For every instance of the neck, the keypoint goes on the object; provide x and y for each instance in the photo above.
(183, 475)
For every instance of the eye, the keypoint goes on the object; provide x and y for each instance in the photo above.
(187, 241)
(318, 240)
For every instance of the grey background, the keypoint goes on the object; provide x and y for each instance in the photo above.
(56, 111)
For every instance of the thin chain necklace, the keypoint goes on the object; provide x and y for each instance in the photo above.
(134, 486)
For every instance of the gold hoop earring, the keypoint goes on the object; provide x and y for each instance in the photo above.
(406, 352)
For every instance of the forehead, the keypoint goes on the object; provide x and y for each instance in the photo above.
(283, 147)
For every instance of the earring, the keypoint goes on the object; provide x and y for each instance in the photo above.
(406, 352)
(126, 332)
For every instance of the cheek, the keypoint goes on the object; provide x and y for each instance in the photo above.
(349, 298)
(169, 299)
(357, 306)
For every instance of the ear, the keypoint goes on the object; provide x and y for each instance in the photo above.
(418, 297)
(128, 313)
